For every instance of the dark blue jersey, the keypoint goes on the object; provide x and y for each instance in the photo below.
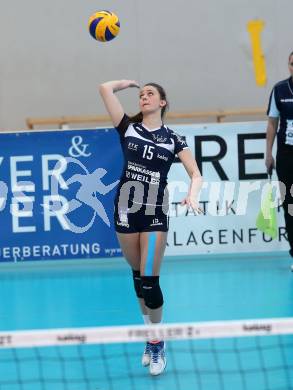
(281, 106)
(148, 155)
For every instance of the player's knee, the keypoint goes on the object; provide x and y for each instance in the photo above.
(137, 283)
(151, 292)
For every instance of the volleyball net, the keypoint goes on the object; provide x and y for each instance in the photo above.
(238, 355)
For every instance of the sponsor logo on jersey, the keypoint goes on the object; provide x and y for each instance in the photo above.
(141, 178)
(156, 222)
(162, 157)
(142, 170)
(180, 139)
(132, 146)
(124, 224)
(159, 138)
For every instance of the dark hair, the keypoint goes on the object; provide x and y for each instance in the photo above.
(139, 117)
(290, 55)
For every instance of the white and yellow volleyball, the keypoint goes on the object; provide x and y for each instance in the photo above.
(104, 26)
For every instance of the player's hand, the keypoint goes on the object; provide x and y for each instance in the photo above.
(270, 164)
(189, 202)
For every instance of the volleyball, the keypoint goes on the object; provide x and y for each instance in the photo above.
(104, 26)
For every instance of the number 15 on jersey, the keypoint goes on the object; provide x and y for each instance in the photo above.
(148, 152)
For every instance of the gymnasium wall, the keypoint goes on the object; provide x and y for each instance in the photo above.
(200, 51)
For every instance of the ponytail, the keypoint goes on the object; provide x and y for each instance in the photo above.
(138, 118)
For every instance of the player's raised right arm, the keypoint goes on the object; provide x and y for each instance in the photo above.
(112, 103)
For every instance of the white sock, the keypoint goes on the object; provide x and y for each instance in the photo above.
(146, 319)
(156, 323)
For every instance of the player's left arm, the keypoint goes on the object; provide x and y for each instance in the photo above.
(191, 167)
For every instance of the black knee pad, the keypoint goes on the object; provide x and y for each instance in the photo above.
(151, 291)
(137, 283)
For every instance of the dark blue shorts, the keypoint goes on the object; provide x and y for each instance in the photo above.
(146, 219)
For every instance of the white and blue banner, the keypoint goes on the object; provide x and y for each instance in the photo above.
(57, 190)
(56, 194)
(231, 157)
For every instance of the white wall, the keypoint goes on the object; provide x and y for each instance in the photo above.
(199, 51)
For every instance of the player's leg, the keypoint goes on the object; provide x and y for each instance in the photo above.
(152, 247)
(285, 175)
(130, 245)
(152, 250)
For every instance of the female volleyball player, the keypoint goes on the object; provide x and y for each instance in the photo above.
(280, 114)
(141, 204)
